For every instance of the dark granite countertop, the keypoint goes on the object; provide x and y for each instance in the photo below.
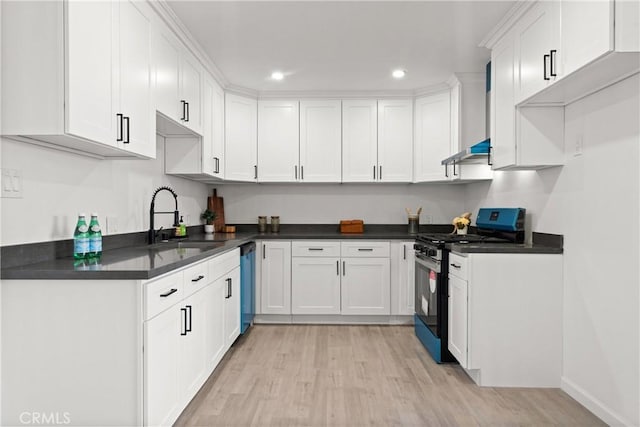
(129, 257)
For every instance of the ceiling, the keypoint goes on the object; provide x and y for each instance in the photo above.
(341, 45)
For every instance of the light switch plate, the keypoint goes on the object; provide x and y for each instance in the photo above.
(11, 183)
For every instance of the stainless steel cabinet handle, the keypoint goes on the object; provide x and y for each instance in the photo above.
(172, 291)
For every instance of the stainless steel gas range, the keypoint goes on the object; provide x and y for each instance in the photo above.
(494, 225)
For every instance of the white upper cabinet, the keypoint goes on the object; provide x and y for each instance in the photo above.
(90, 91)
(503, 111)
(359, 140)
(217, 133)
(278, 141)
(395, 140)
(320, 141)
(377, 141)
(538, 41)
(432, 136)
(178, 87)
(240, 138)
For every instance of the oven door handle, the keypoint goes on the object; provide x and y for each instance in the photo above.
(428, 263)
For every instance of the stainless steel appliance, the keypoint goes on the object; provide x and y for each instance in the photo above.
(494, 225)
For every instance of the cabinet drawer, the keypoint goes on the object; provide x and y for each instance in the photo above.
(163, 293)
(366, 249)
(222, 264)
(315, 248)
(458, 266)
(196, 277)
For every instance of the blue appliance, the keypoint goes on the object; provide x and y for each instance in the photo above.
(247, 285)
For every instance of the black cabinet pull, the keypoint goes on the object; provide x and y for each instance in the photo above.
(552, 68)
(230, 287)
(120, 132)
(184, 319)
(344, 268)
(187, 119)
(217, 165)
(489, 162)
(126, 141)
(380, 174)
(374, 172)
(544, 64)
(296, 171)
(197, 279)
(404, 252)
(188, 328)
(365, 249)
(228, 280)
(446, 172)
(316, 249)
(172, 291)
(255, 172)
(264, 252)
(302, 172)
(338, 268)
(455, 265)
(184, 109)
(454, 168)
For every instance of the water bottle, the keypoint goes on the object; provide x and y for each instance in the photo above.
(81, 238)
(95, 237)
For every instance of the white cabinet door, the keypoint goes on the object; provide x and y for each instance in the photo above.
(161, 361)
(134, 77)
(192, 367)
(320, 141)
(359, 141)
(275, 292)
(537, 35)
(215, 344)
(166, 65)
(315, 285)
(586, 32)
(395, 140)
(278, 141)
(240, 138)
(217, 138)
(232, 306)
(407, 280)
(92, 97)
(366, 286)
(458, 319)
(208, 160)
(191, 92)
(503, 146)
(433, 136)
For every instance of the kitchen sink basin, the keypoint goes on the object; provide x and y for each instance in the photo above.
(185, 245)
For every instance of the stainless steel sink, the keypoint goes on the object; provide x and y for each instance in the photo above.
(185, 245)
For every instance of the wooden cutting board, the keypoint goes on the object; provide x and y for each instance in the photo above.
(216, 204)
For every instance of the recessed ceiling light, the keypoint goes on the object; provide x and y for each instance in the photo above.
(398, 74)
(277, 75)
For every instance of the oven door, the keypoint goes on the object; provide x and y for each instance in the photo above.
(428, 278)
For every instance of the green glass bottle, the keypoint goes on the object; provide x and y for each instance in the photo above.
(95, 237)
(81, 238)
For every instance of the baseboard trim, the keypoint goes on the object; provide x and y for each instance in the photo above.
(333, 319)
(594, 405)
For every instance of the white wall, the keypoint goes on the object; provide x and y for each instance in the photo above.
(58, 185)
(329, 203)
(594, 201)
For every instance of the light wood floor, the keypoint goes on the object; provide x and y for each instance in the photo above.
(318, 375)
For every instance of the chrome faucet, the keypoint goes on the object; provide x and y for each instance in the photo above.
(152, 213)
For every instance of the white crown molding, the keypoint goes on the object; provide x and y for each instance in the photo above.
(168, 16)
(337, 94)
(430, 90)
(241, 91)
(470, 77)
(506, 23)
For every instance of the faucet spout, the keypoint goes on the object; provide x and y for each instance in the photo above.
(152, 212)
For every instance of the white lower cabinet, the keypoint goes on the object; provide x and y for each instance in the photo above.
(191, 363)
(315, 278)
(215, 343)
(366, 286)
(275, 293)
(232, 306)
(497, 321)
(402, 278)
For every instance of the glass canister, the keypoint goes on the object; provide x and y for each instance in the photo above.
(275, 224)
(414, 224)
(262, 224)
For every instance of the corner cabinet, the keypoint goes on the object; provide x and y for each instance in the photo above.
(240, 146)
(90, 92)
